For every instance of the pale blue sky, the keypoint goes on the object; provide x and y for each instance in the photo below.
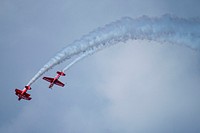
(139, 86)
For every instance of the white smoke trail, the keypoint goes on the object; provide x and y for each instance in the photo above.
(85, 54)
(163, 29)
(74, 61)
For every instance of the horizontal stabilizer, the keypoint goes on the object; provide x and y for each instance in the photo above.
(61, 73)
(28, 87)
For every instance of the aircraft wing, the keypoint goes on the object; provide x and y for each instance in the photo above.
(57, 82)
(48, 79)
(27, 95)
(27, 98)
(18, 91)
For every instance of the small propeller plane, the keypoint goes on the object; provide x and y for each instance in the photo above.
(55, 79)
(22, 93)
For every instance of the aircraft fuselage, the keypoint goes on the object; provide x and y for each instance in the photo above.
(54, 80)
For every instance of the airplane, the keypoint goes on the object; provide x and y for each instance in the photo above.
(22, 93)
(55, 79)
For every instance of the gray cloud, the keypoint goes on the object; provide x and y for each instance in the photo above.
(150, 90)
(134, 87)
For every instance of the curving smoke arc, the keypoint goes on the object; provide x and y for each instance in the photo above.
(162, 29)
(82, 56)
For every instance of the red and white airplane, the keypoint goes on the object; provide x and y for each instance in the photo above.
(22, 93)
(55, 80)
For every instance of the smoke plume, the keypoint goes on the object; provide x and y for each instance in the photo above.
(162, 29)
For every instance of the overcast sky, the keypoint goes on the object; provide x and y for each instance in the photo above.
(132, 87)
